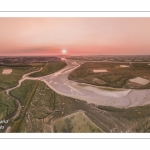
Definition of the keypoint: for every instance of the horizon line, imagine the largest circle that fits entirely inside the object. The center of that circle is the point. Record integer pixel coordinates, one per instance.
(75, 55)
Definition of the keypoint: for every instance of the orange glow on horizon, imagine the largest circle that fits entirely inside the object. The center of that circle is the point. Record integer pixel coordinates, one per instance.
(81, 36)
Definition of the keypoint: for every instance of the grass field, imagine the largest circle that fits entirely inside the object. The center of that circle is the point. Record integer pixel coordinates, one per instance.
(76, 122)
(24, 90)
(17, 123)
(116, 77)
(36, 106)
(18, 70)
(11, 80)
(41, 108)
(7, 105)
(136, 118)
(49, 68)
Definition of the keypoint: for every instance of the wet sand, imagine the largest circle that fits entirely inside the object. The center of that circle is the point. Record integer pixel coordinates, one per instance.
(124, 66)
(7, 71)
(122, 98)
(140, 80)
(100, 70)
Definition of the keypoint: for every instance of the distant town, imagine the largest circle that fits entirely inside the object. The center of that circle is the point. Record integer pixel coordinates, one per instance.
(28, 59)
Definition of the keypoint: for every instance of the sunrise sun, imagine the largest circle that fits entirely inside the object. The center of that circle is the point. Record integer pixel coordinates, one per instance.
(64, 51)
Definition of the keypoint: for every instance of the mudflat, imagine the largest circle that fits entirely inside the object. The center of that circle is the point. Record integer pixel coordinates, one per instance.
(140, 80)
(7, 71)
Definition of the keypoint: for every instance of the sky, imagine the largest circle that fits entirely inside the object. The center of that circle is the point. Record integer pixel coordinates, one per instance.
(78, 36)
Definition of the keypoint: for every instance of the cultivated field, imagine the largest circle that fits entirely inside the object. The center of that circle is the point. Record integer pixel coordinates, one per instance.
(116, 75)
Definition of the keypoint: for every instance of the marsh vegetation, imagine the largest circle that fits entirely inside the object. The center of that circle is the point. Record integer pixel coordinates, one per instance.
(116, 76)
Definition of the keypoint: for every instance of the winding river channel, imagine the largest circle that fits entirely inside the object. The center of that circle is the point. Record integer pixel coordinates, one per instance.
(58, 81)
(94, 94)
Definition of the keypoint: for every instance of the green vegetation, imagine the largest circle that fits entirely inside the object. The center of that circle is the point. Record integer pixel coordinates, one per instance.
(43, 110)
(49, 68)
(129, 113)
(77, 122)
(16, 65)
(38, 102)
(116, 77)
(44, 107)
(18, 70)
(16, 125)
(7, 105)
(135, 118)
(46, 111)
(43, 102)
(37, 64)
(11, 80)
(112, 58)
(24, 90)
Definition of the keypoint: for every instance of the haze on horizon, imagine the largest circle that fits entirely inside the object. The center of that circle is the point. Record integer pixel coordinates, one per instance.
(79, 36)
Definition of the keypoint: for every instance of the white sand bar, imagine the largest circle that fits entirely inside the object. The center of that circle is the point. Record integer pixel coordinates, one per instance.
(124, 66)
(140, 80)
(100, 70)
(7, 71)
